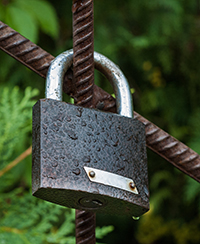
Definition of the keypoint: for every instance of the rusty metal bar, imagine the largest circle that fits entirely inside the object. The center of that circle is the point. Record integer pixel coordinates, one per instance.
(38, 60)
(83, 83)
(174, 151)
(85, 227)
(24, 51)
(83, 47)
(178, 154)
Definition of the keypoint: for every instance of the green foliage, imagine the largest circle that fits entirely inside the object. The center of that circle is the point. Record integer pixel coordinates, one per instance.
(15, 125)
(153, 228)
(192, 192)
(25, 219)
(15, 111)
(101, 232)
(29, 220)
(27, 17)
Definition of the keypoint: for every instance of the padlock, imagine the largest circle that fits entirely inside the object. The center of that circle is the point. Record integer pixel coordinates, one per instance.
(85, 158)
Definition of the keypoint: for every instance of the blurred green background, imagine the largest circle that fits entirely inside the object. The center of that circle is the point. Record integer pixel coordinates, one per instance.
(157, 45)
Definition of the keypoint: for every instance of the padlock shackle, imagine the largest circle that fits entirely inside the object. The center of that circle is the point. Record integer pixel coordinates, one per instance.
(63, 62)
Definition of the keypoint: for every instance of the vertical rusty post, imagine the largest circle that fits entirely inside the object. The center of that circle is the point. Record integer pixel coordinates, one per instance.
(83, 46)
(85, 227)
(83, 82)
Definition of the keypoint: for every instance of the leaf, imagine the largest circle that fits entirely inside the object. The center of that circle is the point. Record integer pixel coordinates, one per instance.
(101, 232)
(44, 13)
(192, 190)
(15, 123)
(22, 22)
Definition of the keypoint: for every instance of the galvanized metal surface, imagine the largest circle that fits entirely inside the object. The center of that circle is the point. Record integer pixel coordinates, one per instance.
(63, 62)
(110, 179)
(119, 83)
(24, 50)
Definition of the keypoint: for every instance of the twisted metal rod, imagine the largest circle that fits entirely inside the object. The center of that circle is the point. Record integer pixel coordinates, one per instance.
(83, 47)
(85, 227)
(83, 82)
(38, 60)
(24, 51)
(175, 152)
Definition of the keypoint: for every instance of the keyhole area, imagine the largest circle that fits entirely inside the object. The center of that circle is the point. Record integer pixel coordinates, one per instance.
(91, 203)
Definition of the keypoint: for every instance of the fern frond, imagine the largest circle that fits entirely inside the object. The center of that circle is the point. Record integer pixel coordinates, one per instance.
(15, 122)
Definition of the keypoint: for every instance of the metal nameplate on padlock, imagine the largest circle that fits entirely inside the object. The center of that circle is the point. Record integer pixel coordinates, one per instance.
(85, 158)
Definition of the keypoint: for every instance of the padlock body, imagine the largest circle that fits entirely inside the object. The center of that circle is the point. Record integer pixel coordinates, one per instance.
(66, 138)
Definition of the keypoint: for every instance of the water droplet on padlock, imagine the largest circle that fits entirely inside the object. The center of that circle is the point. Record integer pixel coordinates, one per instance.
(56, 129)
(55, 164)
(52, 176)
(83, 123)
(72, 126)
(59, 124)
(69, 156)
(72, 135)
(80, 111)
(44, 155)
(68, 119)
(76, 163)
(86, 159)
(89, 134)
(44, 126)
(90, 126)
(130, 138)
(115, 143)
(76, 171)
(146, 190)
(60, 116)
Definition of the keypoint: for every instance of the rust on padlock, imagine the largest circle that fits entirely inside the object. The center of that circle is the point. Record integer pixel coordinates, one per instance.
(132, 186)
(92, 174)
(110, 179)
